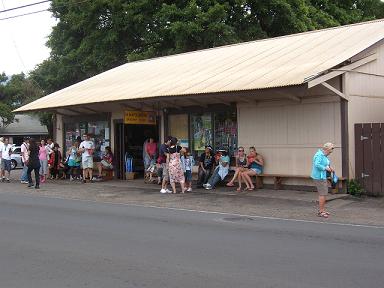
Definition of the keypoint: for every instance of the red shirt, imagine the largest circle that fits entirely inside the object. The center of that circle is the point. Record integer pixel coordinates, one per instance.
(151, 148)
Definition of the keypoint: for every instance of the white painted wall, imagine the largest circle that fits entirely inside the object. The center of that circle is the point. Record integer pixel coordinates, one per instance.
(288, 134)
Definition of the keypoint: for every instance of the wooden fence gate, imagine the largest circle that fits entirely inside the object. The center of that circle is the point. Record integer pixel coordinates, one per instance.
(369, 157)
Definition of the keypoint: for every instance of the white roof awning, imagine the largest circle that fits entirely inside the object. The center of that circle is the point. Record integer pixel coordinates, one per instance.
(276, 62)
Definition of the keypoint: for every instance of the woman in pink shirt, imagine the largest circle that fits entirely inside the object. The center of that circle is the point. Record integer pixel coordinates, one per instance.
(150, 157)
(43, 157)
(151, 148)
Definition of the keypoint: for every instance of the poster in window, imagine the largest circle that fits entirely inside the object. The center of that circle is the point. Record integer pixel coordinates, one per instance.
(202, 132)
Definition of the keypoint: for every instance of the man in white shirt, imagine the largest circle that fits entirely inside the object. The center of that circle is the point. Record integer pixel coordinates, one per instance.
(87, 148)
(50, 145)
(1, 149)
(6, 153)
(24, 158)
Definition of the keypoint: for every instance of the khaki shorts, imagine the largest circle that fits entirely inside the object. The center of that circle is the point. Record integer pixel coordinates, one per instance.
(164, 166)
(87, 163)
(322, 187)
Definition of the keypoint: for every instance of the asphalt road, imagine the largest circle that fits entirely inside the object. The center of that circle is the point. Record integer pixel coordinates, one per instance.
(47, 242)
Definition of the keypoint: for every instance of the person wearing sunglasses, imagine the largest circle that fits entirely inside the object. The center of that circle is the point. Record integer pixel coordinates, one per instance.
(320, 166)
(241, 165)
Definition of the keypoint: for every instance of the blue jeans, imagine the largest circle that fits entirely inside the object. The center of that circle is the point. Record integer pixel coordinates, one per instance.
(24, 176)
(215, 178)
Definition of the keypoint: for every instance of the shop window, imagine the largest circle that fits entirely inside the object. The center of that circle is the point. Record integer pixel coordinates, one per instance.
(178, 127)
(72, 131)
(226, 131)
(201, 131)
(99, 131)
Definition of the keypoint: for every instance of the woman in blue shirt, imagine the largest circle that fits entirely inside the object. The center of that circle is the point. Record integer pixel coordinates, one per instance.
(320, 167)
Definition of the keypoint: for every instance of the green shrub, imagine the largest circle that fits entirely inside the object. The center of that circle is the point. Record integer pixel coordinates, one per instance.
(355, 188)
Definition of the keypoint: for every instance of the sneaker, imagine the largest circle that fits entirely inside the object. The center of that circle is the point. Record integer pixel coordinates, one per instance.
(30, 185)
(189, 190)
(206, 185)
(163, 191)
(24, 182)
(8, 180)
(168, 191)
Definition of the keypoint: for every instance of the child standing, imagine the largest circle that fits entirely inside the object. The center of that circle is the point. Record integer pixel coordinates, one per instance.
(187, 163)
(54, 161)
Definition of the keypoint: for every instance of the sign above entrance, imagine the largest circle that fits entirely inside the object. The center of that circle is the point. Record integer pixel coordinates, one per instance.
(140, 117)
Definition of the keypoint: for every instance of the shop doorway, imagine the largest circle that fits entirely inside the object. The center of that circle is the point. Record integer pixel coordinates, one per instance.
(129, 142)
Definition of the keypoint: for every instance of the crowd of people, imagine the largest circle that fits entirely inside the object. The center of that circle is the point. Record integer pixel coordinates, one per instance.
(45, 160)
(174, 164)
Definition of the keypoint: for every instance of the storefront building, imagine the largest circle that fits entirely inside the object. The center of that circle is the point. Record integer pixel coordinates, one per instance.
(286, 96)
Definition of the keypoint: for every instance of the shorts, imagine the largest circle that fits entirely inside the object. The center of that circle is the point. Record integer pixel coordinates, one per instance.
(256, 170)
(322, 187)
(73, 163)
(6, 165)
(43, 167)
(164, 166)
(106, 165)
(188, 175)
(87, 163)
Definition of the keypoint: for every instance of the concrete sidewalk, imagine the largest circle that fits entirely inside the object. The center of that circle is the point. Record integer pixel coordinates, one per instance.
(300, 205)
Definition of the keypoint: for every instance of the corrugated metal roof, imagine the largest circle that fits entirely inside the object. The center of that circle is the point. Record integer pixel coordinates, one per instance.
(274, 62)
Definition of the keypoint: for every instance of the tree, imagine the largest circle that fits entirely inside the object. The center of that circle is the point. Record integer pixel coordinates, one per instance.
(94, 36)
(6, 115)
(15, 91)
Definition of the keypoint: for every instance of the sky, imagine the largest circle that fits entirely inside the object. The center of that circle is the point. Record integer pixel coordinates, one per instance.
(22, 39)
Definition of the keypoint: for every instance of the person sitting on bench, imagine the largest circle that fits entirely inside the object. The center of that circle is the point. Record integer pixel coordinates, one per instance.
(220, 171)
(106, 161)
(255, 163)
(206, 164)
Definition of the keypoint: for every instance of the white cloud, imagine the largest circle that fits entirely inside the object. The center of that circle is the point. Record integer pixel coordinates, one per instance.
(23, 39)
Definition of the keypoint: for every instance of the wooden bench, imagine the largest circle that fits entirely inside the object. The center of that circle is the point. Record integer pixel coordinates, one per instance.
(106, 174)
(278, 179)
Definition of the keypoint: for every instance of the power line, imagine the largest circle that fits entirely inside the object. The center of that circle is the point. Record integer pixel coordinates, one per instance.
(25, 14)
(39, 11)
(20, 7)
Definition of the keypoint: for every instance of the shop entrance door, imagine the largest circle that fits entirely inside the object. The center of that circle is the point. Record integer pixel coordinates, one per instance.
(135, 135)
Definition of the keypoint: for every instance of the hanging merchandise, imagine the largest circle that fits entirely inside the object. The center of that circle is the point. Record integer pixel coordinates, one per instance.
(128, 163)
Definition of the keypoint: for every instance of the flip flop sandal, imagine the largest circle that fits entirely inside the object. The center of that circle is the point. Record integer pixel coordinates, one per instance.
(230, 185)
(318, 212)
(323, 214)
